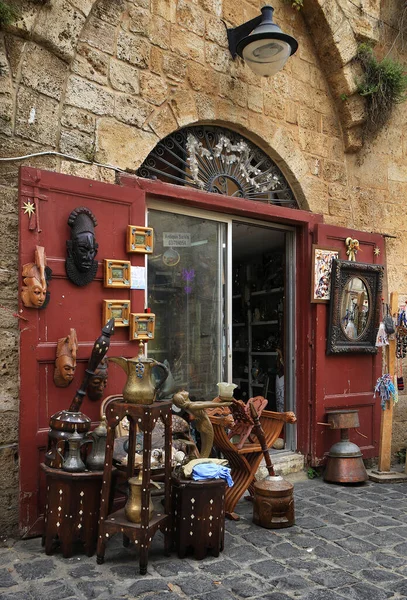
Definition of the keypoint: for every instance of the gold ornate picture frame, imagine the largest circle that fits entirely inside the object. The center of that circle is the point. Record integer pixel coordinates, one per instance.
(321, 273)
(142, 326)
(117, 273)
(140, 239)
(117, 309)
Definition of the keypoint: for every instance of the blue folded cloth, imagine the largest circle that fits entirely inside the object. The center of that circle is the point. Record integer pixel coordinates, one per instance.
(211, 471)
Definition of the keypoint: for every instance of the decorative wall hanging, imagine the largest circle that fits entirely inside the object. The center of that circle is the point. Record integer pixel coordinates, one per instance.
(65, 363)
(119, 310)
(82, 248)
(98, 381)
(140, 239)
(356, 292)
(142, 326)
(321, 272)
(117, 273)
(171, 257)
(220, 161)
(352, 248)
(34, 293)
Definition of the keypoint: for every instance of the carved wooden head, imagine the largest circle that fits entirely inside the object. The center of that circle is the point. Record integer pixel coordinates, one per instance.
(98, 381)
(35, 275)
(82, 248)
(65, 362)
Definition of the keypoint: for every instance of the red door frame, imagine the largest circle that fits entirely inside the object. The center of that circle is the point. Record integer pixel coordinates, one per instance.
(304, 224)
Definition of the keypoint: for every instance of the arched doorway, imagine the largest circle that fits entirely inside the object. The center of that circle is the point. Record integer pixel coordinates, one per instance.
(224, 285)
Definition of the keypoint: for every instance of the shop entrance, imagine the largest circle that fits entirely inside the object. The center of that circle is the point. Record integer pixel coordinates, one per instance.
(223, 293)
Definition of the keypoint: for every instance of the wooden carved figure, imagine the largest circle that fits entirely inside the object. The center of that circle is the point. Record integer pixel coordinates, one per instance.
(65, 362)
(34, 293)
(98, 381)
(82, 248)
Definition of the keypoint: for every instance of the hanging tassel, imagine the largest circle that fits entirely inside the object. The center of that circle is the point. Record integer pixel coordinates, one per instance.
(381, 338)
(385, 387)
(396, 394)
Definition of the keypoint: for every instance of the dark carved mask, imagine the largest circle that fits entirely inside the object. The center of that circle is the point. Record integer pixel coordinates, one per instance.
(82, 248)
(98, 382)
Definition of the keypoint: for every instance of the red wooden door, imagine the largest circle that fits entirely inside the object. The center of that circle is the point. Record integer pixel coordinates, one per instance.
(344, 380)
(114, 207)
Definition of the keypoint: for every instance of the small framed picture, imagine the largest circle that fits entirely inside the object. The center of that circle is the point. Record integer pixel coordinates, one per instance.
(119, 310)
(140, 239)
(117, 273)
(321, 272)
(142, 326)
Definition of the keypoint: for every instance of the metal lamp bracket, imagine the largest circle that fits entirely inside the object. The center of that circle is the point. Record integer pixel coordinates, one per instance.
(235, 34)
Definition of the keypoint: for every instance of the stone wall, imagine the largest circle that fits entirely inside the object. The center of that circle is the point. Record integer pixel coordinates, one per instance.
(104, 81)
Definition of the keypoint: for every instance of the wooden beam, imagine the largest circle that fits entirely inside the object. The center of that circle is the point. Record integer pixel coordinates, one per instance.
(386, 426)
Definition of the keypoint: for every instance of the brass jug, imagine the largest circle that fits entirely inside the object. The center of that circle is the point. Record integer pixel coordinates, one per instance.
(132, 509)
(140, 387)
(96, 457)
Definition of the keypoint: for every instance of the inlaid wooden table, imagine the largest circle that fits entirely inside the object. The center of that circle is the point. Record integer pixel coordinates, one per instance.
(71, 509)
(199, 516)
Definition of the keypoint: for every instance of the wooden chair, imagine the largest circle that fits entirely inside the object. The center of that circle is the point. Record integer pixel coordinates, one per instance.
(245, 461)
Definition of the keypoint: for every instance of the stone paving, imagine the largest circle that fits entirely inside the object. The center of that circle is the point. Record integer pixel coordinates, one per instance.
(348, 542)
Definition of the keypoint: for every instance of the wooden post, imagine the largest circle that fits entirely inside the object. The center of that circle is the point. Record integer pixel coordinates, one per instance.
(387, 414)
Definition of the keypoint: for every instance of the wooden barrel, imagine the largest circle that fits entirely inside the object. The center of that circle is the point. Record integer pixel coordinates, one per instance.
(273, 503)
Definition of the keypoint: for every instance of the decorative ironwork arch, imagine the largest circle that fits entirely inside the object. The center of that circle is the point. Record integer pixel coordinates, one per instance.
(218, 160)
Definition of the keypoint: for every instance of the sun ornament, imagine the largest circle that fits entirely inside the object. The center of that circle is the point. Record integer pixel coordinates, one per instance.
(29, 208)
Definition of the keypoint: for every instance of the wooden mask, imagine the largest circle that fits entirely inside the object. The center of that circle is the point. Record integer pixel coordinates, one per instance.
(65, 362)
(82, 248)
(34, 293)
(98, 381)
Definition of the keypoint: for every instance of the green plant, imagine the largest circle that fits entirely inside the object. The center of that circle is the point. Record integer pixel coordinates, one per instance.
(401, 456)
(8, 13)
(312, 473)
(296, 4)
(343, 97)
(384, 85)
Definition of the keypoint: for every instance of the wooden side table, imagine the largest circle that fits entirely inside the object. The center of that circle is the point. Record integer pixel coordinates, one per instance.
(199, 516)
(71, 509)
(143, 417)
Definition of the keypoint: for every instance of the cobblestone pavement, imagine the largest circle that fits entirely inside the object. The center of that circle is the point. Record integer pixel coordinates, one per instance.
(348, 542)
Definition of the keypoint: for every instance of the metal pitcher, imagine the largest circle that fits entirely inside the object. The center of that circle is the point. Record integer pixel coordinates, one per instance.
(96, 457)
(141, 385)
(72, 461)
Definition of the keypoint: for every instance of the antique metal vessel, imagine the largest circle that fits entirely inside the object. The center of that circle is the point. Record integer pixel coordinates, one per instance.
(96, 458)
(141, 385)
(132, 509)
(72, 461)
(273, 503)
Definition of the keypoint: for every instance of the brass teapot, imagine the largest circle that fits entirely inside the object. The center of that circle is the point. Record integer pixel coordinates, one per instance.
(141, 386)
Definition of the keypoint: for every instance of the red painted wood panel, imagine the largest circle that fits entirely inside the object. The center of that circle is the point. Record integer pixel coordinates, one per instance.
(70, 306)
(344, 380)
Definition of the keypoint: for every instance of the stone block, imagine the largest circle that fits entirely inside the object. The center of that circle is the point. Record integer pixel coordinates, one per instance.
(313, 143)
(255, 98)
(140, 20)
(91, 64)
(76, 118)
(166, 9)
(83, 5)
(190, 17)
(345, 81)
(9, 200)
(124, 77)
(309, 119)
(156, 60)
(100, 35)
(43, 71)
(14, 50)
(175, 67)
(90, 96)
(163, 123)
(397, 171)
(188, 45)
(334, 172)
(160, 33)
(233, 89)
(153, 88)
(133, 49)
(218, 58)
(291, 113)
(213, 7)
(231, 113)
(316, 192)
(88, 171)
(37, 117)
(286, 146)
(8, 423)
(274, 106)
(15, 146)
(215, 31)
(111, 12)
(300, 69)
(58, 27)
(132, 110)
(184, 108)
(352, 111)
(202, 79)
(6, 114)
(233, 12)
(206, 107)
(122, 145)
(77, 143)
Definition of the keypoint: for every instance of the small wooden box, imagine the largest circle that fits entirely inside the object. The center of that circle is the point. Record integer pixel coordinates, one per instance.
(199, 516)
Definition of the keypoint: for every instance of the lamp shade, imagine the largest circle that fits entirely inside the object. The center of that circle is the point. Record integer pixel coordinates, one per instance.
(266, 49)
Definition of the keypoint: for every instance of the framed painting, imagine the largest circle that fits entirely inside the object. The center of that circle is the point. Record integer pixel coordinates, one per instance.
(117, 309)
(142, 326)
(117, 273)
(321, 272)
(140, 239)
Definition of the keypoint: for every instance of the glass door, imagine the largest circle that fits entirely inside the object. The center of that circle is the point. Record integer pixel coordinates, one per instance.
(187, 290)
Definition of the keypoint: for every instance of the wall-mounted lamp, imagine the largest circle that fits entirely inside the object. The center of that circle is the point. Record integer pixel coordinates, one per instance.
(262, 44)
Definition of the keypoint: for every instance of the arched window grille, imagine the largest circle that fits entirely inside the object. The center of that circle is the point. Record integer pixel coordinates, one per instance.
(218, 160)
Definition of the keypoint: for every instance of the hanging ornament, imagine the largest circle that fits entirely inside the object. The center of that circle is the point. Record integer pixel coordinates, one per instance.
(381, 338)
(385, 387)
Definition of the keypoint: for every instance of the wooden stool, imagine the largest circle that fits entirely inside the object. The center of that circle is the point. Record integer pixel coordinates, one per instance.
(199, 516)
(71, 509)
(273, 503)
(144, 417)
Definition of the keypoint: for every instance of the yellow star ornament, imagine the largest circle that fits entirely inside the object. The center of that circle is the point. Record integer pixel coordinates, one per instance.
(29, 208)
(376, 251)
